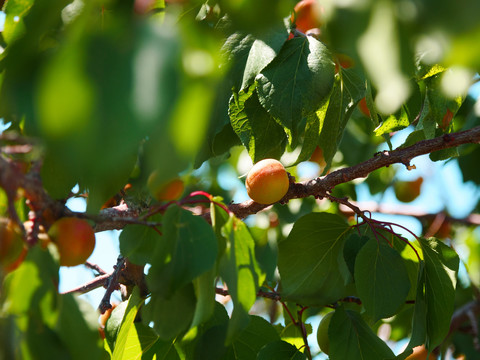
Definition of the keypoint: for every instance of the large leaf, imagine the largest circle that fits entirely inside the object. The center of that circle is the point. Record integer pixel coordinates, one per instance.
(257, 129)
(137, 242)
(280, 350)
(381, 279)
(351, 338)
(441, 267)
(240, 270)
(264, 49)
(187, 249)
(310, 259)
(249, 342)
(174, 315)
(297, 81)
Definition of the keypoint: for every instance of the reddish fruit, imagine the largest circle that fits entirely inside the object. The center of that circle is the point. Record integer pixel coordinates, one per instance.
(420, 353)
(267, 182)
(12, 246)
(308, 15)
(407, 191)
(344, 61)
(317, 157)
(362, 106)
(165, 190)
(75, 240)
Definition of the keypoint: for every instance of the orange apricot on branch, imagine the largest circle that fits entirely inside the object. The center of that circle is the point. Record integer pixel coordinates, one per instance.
(307, 15)
(165, 190)
(267, 182)
(75, 240)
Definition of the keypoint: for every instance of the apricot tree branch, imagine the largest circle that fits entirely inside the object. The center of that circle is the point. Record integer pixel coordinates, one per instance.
(319, 186)
(408, 210)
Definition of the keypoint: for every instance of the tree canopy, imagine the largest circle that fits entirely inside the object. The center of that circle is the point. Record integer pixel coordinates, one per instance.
(153, 112)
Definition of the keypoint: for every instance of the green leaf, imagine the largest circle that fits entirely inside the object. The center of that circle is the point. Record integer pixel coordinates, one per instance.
(264, 49)
(78, 320)
(236, 50)
(210, 341)
(438, 110)
(310, 259)
(419, 321)
(343, 100)
(164, 350)
(280, 350)
(313, 129)
(137, 242)
(174, 315)
(393, 123)
(114, 323)
(351, 338)
(353, 244)
(257, 129)
(258, 333)
(291, 334)
(240, 270)
(14, 26)
(134, 303)
(297, 81)
(381, 279)
(205, 292)
(187, 249)
(441, 267)
(140, 340)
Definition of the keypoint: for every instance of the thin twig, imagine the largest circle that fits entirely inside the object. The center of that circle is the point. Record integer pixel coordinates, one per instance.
(112, 285)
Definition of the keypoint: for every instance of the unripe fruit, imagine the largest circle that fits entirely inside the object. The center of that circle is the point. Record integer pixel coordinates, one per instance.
(12, 246)
(267, 182)
(165, 190)
(75, 240)
(420, 353)
(322, 333)
(407, 191)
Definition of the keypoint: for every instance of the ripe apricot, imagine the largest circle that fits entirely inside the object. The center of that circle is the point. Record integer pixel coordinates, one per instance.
(267, 182)
(307, 15)
(317, 156)
(12, 246)
(165, 190)
(420, 353)
(407, 191)
(322, 333)
(75, 240)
